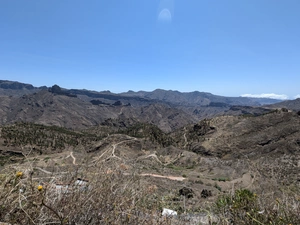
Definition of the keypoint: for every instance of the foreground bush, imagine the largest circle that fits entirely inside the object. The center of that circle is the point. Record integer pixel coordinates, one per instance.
(109, 197)
(245, 207)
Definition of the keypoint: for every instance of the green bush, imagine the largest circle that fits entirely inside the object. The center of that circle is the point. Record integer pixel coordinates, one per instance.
(245, 207)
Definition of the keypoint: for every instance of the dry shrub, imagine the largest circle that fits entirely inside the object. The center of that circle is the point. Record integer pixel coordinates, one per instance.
(112, 198)
(245, 207)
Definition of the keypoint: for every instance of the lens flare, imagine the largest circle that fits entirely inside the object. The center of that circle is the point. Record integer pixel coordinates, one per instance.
(165, 16)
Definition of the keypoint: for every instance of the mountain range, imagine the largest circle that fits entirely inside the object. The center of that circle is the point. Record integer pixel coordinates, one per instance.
(196, 143)
(169, 110)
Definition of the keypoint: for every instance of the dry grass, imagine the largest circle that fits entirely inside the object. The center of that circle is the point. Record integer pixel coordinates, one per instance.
(108, 198)
(112, 196)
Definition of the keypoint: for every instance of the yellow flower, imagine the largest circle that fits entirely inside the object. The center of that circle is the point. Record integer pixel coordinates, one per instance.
(19, 174)
(40, 187)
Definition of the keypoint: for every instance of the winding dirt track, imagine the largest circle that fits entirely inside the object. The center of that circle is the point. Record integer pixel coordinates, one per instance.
(143, 174)
(185, 140)
(161, 176)
(74, 159)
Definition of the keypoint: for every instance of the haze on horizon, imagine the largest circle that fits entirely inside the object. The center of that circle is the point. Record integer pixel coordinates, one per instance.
(229, 48)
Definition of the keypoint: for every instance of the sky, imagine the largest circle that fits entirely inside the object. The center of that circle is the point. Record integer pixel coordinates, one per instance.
(229, 48)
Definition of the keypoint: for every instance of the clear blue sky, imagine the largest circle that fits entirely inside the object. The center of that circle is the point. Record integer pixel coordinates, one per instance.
(226, 47)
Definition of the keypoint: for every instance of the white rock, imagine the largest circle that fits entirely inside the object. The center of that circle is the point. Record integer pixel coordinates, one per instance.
(169, 212)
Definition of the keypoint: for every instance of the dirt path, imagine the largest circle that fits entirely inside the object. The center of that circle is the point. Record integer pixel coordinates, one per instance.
(153, 155)
(121, 111)
(45, 171)
(161, 176)
(113, 152)
(74, 159)
(112, 148)
(185, 139)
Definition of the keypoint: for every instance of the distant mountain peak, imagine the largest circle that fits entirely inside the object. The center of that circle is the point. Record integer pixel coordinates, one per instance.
(5, 84)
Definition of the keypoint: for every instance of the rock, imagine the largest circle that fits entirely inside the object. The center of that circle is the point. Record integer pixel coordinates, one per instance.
(168, 212)
(206, 193)
(199, 149)
(117, 103)
(187, 192)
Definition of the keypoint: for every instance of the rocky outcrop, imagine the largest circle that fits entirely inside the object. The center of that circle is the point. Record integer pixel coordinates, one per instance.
(187, 192)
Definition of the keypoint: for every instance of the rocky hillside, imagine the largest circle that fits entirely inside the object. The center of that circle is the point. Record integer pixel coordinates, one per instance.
(227, 137)
(14, 88)
(48, 108)
(197, 98)
(53, 136)
(275, 133)
(78, 109)
(207, 159)
(289, 104)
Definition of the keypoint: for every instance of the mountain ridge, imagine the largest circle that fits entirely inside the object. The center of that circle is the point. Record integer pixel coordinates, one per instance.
(200, 98)
(213, 148)
(73, 108)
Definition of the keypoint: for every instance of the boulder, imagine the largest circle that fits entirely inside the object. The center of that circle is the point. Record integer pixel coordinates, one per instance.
(187, 192)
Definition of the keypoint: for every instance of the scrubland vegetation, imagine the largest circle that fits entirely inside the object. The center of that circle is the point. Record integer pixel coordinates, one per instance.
(111, 197)
(249, 168)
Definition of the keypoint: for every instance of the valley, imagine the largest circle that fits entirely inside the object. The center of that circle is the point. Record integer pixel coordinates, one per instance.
(145, 152)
